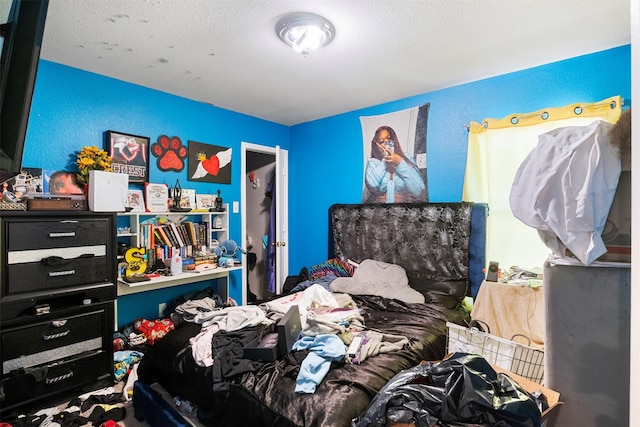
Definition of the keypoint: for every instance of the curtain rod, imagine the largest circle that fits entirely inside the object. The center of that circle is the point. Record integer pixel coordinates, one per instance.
(544, 115)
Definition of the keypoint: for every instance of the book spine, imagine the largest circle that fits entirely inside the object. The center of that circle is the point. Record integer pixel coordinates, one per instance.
(165, 237)
(183, 234)
(192, 233)
(176, 233)
(174, 240)
(151, 243)
(158, 240)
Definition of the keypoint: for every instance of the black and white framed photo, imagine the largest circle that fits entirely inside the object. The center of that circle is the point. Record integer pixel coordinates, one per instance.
(129, 154)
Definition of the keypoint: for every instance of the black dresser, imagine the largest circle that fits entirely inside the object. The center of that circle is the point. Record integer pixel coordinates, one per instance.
(57, 293)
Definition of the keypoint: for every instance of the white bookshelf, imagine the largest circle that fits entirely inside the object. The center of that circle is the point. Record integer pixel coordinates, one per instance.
(218, 221)
(133, 236)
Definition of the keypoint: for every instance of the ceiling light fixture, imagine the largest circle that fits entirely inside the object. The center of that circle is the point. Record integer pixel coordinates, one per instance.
(305, 32)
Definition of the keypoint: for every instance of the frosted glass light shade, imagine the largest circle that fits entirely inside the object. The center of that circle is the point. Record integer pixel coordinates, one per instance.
(305, 32)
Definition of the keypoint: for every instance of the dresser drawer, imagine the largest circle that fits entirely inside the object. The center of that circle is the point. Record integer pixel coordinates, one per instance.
(53, 379)
(36, 276)
(45, 341)
(24, 235)
(57, 291)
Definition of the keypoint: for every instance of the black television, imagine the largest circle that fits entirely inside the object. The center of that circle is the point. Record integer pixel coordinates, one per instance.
(21, 38)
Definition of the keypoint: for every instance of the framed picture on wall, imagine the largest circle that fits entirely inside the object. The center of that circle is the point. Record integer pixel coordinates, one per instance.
(209, 163)
(135, 201)
(129, 154)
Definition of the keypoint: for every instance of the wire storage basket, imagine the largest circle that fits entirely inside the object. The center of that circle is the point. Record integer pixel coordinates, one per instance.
(523, 360)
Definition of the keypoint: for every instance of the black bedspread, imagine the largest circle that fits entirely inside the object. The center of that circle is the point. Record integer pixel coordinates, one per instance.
(170, 362)
(430, 241)
(347, 389)
(264, 394)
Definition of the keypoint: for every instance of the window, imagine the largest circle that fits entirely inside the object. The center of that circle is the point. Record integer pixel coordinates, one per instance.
(496, 149)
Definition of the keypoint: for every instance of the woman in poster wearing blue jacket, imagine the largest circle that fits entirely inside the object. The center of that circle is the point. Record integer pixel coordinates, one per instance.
(391, 176)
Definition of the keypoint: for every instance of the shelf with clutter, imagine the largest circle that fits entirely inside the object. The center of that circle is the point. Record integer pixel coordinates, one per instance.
(144, 228)
(158, 281)
(195, 242)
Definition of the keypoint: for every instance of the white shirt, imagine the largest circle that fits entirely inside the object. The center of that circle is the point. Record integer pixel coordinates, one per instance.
(565, 188)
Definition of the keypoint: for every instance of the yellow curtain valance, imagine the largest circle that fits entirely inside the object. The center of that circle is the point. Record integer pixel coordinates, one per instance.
(607, 110)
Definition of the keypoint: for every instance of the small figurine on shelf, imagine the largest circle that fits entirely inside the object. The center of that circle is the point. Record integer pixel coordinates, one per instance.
(135, 260)
(176, 199)
(217, 204)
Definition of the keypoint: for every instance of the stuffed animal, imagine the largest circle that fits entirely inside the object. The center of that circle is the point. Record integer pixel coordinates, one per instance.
(227, 251)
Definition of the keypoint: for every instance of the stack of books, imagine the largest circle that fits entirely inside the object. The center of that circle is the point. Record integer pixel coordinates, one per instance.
(189, 238)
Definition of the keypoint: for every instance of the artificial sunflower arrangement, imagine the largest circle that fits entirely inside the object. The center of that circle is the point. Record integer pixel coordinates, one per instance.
(92, 158)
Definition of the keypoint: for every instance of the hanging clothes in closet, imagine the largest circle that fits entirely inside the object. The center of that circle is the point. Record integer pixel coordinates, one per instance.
(270, 192)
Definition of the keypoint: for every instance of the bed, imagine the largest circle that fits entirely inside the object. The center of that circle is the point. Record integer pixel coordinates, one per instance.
(440, 248)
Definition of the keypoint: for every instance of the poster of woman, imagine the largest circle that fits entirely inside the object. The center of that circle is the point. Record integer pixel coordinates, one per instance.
(395, 159)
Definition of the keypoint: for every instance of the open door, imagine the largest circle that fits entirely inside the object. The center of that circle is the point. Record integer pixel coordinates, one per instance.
(282, 219)
(264, 195)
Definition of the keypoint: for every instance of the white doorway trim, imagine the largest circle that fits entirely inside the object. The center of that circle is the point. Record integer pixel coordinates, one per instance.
(281, 157)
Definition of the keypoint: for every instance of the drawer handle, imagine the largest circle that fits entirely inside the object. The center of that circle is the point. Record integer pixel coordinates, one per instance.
(62, 273)
(58, 260)
(58, 378)
(56, 335)
(61, 234)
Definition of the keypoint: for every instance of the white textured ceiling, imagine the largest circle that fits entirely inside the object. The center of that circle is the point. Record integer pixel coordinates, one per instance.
(226, 52)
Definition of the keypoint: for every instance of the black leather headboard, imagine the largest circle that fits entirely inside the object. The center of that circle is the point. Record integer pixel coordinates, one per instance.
(431, 241)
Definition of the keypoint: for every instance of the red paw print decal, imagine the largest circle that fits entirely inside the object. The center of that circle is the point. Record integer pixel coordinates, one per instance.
(170, 153)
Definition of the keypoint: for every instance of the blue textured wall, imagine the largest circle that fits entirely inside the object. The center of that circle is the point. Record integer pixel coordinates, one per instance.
(72, 108)
(326, 155)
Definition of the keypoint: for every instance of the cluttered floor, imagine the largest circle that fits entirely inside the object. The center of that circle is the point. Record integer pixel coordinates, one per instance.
(105, 407)
(110, 406)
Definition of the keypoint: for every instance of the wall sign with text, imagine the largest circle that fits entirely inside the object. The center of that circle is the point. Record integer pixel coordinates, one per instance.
(129, 154)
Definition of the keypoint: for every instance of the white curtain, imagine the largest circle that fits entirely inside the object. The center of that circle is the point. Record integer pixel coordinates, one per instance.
(496, 149)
